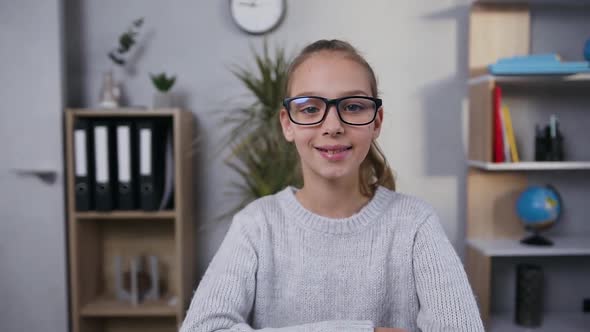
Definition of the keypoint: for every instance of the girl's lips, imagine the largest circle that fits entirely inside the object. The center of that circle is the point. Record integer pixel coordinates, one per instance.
(334, 153)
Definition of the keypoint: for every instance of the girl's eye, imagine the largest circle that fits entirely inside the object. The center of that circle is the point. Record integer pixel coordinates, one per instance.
(353, 108)
(309, 110)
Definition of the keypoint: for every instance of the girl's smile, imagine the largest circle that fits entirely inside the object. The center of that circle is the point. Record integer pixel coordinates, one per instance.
(334, 152)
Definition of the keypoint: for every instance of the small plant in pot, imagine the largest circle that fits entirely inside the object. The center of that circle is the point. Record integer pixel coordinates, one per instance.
(163, 84)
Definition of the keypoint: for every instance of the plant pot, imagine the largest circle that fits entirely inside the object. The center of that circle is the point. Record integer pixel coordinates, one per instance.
(163, 100)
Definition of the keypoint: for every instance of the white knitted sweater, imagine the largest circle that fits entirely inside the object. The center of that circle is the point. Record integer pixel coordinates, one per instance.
(283, 268)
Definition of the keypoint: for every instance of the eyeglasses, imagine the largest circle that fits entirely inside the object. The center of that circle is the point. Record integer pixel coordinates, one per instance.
(352, 110)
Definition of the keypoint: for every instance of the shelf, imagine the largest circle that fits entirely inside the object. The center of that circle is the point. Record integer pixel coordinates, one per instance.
(564, 3)
(533, 79)
(562, 322)
(531, 165)
(155, 215)
(563, 246)
(125, 112)
(110, 307)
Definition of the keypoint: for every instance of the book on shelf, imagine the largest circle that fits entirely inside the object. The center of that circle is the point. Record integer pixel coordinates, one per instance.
(504, 141)
(514, 157)
(498, 147)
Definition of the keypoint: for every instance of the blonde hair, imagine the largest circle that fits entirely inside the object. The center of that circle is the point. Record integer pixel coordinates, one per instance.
(374, 170)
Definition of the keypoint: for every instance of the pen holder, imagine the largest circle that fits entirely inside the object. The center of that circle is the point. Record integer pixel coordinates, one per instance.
(547, 147)
(556, 151)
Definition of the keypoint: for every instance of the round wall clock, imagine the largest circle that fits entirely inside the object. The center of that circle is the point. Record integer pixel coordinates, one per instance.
(257, 16)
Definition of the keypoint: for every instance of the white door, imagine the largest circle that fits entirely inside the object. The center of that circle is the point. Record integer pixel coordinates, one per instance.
(32, 228)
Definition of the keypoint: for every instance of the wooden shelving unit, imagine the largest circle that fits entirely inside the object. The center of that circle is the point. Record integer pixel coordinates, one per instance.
(108, 307)
(562, 322)
(503, 29)
(126, 215)
(508, 247)
(531, 165)
(95, 238)
(582, 78)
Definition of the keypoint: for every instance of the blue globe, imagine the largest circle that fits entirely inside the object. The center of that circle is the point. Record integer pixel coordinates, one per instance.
(539, 208)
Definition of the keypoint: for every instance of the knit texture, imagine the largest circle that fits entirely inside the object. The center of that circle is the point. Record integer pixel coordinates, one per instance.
(283, 268)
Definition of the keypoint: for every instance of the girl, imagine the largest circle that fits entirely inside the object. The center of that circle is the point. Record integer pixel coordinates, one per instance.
(345, 252)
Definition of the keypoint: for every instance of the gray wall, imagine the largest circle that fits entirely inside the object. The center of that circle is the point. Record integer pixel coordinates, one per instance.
(33, 289)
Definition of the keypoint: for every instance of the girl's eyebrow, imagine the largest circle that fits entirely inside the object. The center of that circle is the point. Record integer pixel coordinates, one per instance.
(343, 94)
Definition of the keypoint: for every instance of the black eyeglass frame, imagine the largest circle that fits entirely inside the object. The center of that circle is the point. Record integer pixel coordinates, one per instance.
(336, 102)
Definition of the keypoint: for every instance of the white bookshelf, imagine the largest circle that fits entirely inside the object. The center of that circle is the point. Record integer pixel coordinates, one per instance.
(582, 78)
(537, 2)
(552, 322)
(562, 246)
(532, 165)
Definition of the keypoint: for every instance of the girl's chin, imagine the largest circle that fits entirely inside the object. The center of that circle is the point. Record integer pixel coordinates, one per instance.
(336, 174)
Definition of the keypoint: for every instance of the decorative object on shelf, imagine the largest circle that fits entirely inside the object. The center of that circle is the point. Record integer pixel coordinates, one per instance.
(539, 208)
(136, 285)
(163, 84)
(587, 50)
(153, 293)
(549, 142)
(110, 94)
(257, 16)
(529, 295)
(265, 161)
(126, 42)
(537, 64)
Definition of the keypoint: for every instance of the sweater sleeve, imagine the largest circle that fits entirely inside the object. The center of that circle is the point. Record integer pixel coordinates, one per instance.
(224, 298)
(446, 300)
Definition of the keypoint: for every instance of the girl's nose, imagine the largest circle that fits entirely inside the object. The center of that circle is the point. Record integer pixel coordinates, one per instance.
(332, 124)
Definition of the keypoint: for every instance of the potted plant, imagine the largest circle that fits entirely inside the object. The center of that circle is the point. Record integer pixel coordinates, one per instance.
(110, 95)
(163, 84)
(264, 160)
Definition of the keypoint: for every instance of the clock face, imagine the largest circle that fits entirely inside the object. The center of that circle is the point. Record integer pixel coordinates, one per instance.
(257, 16)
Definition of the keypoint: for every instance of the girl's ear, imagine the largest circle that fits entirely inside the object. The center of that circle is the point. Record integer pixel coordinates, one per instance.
(378, 122)
(286, 125)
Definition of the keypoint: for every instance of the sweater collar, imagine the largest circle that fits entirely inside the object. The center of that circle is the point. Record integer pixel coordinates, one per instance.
(307, 219)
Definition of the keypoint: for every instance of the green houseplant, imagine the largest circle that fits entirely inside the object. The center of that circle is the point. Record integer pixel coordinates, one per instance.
(163, 84)
(260, 155)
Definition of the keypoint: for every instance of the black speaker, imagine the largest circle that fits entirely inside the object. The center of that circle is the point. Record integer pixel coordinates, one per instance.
(529, 295)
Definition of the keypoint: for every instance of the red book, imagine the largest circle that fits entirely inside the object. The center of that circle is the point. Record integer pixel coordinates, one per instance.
(498, 136)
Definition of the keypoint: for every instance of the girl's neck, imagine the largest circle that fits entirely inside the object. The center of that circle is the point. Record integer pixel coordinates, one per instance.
(332, 199)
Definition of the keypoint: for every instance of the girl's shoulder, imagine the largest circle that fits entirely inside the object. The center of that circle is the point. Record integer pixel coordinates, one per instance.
(407, 206)
(258, 210)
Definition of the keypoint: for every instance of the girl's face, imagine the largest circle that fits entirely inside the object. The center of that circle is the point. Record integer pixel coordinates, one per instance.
(331, 149)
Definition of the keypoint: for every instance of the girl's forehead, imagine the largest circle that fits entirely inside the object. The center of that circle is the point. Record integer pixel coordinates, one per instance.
(329, 74)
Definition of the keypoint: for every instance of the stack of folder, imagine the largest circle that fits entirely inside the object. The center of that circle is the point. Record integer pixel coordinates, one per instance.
(123, 164)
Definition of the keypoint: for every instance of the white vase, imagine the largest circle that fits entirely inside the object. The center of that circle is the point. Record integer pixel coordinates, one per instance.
(110, 92)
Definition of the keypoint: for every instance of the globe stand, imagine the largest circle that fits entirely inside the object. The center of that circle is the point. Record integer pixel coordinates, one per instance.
(536, 240)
